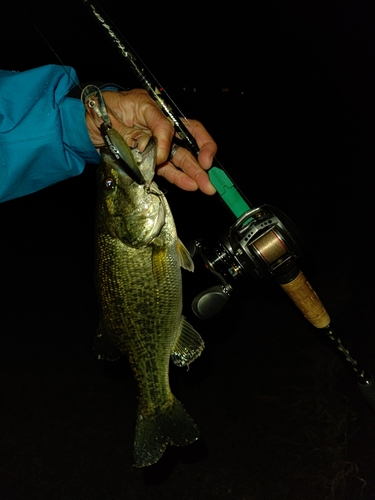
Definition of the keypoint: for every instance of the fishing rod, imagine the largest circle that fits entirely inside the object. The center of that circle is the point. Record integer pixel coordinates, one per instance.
(225, 186)
(262, 242)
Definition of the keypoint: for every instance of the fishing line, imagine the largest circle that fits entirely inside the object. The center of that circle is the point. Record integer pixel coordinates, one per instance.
(35, 26)
(92, 99)
(49, 45)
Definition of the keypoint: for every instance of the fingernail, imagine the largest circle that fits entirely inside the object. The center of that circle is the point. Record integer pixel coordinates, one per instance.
(211, 189)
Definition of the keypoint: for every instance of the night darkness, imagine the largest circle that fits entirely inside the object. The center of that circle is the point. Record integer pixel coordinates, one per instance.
(287, 91)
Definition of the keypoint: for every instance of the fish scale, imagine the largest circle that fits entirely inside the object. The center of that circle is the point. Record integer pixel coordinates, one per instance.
(139, 287)
(132, 327)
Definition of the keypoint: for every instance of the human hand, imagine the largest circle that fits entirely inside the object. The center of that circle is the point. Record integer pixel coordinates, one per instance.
(136, 117)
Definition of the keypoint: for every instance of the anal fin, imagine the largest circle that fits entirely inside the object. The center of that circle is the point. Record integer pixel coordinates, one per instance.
(189, 345)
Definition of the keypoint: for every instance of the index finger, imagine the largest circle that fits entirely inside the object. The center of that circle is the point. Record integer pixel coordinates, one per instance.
(162, 129)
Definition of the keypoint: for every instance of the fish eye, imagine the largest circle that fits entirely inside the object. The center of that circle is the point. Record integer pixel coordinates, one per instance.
(109, 184)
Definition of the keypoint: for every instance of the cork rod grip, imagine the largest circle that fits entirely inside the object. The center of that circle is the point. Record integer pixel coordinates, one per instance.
(307, 301)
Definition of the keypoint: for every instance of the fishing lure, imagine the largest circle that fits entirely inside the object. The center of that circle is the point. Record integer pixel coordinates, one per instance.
(93, 101)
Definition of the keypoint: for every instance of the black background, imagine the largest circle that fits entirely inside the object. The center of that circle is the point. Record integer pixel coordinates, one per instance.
(286, 89)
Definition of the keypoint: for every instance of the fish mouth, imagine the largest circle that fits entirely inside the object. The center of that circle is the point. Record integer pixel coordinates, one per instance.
(146, 160)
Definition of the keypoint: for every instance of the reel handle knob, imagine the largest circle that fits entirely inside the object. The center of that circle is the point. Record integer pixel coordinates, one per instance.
(210, 301)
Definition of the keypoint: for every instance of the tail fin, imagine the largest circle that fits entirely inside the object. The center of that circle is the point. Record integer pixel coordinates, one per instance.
(152, 435)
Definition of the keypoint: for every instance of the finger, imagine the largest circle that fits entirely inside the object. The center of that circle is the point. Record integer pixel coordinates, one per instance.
(161, 129)
(177, 177)
(183, 181)
(185, 161)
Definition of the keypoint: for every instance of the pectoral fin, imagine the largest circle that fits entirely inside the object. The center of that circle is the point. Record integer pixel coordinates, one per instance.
(184, 257)
(188, 346)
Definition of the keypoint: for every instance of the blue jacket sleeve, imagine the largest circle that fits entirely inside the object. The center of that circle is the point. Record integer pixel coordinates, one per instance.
(43, 133)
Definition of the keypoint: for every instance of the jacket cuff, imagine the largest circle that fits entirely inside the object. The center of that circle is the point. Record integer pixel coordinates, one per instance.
(77, 142)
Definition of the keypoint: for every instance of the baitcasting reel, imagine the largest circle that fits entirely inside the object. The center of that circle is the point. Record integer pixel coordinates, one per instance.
(263, 242)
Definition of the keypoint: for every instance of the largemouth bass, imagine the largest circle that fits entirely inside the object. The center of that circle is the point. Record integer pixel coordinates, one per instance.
(138, 279)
